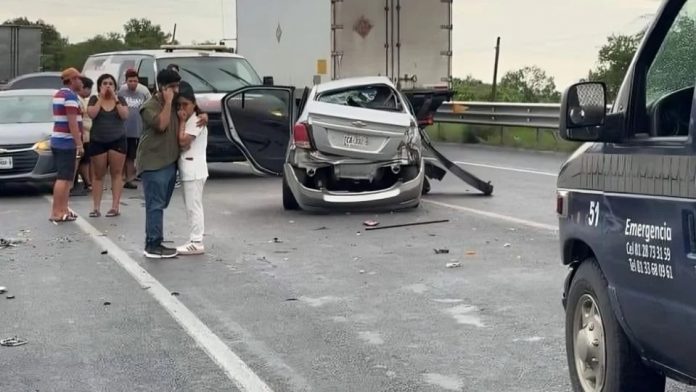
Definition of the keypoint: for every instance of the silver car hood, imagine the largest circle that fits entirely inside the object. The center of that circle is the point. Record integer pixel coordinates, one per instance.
(25, 133)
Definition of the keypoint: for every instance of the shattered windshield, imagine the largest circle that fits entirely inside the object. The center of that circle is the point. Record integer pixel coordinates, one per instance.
(379, 97)
(214, 74)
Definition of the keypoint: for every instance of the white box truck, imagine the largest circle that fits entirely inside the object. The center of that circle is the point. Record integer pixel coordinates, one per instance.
(304, 42)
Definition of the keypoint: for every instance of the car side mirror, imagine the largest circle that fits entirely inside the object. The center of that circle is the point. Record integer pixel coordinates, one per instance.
(583, 112)
(268, 81)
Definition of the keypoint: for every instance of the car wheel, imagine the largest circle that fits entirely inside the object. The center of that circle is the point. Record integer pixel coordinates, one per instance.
(289, 201)
(426, 186)
(600, 357)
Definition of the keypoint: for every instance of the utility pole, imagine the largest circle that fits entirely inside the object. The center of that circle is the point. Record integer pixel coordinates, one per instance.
(495, 69)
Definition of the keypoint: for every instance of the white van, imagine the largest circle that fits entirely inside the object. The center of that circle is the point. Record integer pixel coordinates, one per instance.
(212, 70)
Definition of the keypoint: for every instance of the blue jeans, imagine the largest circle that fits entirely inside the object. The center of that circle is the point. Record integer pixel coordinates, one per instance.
(158, 186)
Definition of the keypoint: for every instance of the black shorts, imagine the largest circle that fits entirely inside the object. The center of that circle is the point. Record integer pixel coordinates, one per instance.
(65, 161)
(132, 147)
(85, 157)
(98, 148)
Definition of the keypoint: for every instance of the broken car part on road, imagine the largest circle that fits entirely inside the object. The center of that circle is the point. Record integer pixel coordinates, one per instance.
(13, 342)
(408, 224)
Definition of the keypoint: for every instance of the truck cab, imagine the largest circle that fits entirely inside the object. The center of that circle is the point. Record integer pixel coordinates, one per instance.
(626, 203)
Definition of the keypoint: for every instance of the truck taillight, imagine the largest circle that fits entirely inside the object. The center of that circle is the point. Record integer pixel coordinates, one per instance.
(300, 136)
(562, 203)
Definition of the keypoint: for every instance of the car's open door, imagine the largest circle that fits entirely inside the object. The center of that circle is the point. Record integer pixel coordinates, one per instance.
(259, 120)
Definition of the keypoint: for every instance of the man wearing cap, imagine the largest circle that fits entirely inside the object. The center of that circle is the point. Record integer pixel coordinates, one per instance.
(66, 142)
(156, 160)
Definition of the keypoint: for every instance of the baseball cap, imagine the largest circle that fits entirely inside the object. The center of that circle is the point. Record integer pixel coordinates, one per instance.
(70, 73)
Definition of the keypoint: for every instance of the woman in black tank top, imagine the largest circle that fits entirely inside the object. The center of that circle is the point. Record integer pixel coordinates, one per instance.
(107, 142)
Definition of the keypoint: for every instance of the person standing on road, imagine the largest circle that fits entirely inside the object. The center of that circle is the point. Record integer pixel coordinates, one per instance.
(66, 142)
(193, 168)
(83, 167)
(107, 142)
(135, 94)
(155, 162)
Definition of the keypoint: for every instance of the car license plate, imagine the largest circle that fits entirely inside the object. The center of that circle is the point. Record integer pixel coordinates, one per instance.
(6, 163)
(355, 141)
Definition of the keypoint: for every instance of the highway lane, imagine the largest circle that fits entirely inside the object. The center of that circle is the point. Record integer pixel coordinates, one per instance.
(307, 301)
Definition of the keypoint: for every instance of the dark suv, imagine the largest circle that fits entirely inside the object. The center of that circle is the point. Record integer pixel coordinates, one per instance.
(627, 217)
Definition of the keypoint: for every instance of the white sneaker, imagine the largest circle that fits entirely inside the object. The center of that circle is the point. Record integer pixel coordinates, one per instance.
(192, 248)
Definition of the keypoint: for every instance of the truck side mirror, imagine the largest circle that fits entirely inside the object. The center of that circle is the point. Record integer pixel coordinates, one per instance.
(268, 81)
(583, 112)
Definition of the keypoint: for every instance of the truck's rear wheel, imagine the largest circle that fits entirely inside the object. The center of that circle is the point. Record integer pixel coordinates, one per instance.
(600, 357)
(289, 201)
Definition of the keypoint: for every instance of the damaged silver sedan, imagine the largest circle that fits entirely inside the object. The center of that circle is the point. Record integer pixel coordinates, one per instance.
(354, 143)
(351, 143)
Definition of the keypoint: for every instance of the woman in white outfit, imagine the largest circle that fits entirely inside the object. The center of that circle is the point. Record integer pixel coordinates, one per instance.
(193, 167)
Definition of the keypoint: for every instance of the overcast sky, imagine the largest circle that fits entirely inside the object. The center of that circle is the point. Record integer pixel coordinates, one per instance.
(561, 36)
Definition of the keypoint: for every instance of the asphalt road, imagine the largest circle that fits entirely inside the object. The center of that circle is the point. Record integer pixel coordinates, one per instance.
(293, 301)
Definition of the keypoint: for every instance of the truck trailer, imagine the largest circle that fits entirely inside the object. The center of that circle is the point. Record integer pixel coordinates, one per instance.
(305, 42)
(22, 44)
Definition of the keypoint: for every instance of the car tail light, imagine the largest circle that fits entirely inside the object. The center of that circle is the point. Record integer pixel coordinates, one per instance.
(562, 203)
(427, 121)
(300, 136)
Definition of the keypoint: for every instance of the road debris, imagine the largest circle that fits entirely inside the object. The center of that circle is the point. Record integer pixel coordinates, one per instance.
(442, 251)
(11, 242)
(371, 223)
(408, 224)
(13, 342)
(453, 265)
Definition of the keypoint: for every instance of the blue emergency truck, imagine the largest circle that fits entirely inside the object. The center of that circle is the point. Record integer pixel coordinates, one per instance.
(626, 203)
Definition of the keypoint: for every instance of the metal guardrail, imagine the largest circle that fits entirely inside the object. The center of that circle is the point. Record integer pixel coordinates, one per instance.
(532, 115)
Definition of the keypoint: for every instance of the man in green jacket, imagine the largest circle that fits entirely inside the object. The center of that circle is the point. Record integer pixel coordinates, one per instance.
(158, 153)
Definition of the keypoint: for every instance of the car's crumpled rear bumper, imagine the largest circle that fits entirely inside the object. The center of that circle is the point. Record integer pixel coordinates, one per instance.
(400, 195)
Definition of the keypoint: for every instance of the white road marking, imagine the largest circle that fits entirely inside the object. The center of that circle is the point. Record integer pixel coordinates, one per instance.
(513, 169)
(494, 215)
(508, 168)
(237, 371)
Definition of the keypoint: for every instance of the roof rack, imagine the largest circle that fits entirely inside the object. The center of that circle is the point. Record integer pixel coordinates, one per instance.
(216, 48)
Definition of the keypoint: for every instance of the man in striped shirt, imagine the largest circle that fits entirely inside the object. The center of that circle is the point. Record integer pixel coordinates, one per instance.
(66, 142)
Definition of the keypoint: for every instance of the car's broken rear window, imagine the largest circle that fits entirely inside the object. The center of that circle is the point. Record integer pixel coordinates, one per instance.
(378, 97)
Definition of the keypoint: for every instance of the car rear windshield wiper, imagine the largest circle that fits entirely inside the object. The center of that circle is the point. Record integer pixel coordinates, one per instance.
(234, 75)
(202, 79)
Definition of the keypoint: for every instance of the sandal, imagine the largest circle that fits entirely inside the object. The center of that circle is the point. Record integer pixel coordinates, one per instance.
(112, 213)
(64, 218)
(95, 214)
